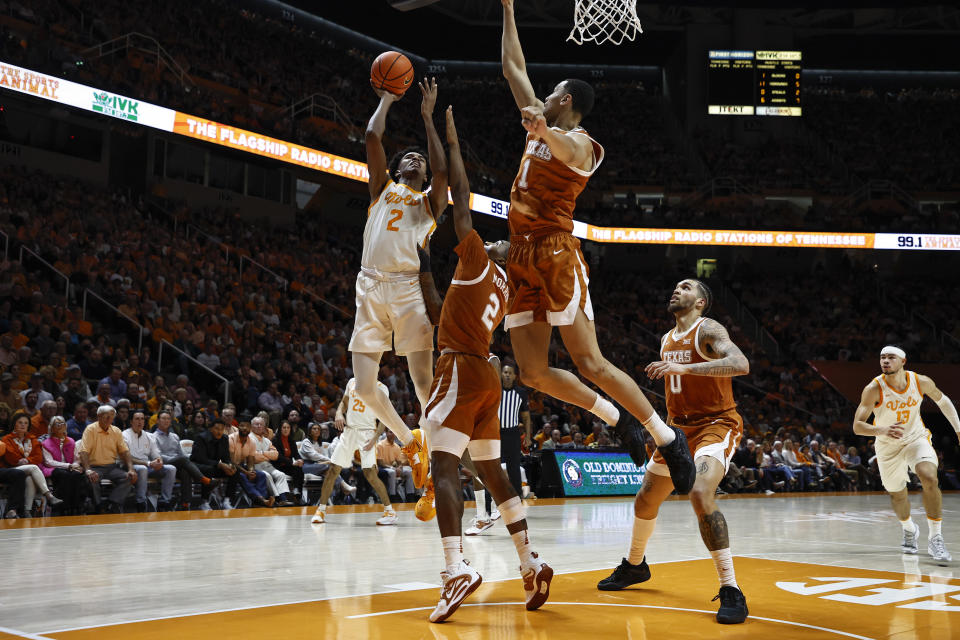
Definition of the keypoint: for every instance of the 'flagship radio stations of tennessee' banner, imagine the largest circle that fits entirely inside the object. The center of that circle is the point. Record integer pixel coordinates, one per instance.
(136, 111)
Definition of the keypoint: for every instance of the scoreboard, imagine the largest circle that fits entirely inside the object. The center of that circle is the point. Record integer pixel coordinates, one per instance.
(747, 83)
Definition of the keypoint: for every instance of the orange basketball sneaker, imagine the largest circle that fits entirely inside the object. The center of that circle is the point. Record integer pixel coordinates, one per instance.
(426, 505)
(419, 458)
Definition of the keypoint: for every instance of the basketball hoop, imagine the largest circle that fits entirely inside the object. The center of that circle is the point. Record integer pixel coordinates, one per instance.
(604, 21)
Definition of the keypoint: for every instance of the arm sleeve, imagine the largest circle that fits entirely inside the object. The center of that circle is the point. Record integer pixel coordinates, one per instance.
(949, 412)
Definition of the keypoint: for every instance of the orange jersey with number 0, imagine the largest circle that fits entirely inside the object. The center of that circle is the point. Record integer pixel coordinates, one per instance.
(545, 191)
(476, 301)
(691, 395)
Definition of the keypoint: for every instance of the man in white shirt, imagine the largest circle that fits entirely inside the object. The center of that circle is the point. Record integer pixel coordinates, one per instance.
(148, 462)
(277, 482)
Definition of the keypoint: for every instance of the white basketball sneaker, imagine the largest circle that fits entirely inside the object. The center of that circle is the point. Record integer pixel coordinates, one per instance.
(495, 514)
(909, 544)
(319, 517)
(389, 518)
(458, 583)
(477, 527)
(536, 583)
(937, 550)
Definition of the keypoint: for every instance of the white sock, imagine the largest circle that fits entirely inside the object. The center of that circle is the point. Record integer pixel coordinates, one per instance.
(605, 410)
(322, 508)
(388, 507)
(934, 528)
(481, 497)
(723, 561)
(642, 530)
(522, 543)
(908, 526)
(452, 551)
(658, 429)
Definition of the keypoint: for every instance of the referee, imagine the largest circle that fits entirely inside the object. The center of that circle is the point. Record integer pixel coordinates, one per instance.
(514, 416)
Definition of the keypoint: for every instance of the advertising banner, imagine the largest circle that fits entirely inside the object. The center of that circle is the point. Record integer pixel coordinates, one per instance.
(598, 473)
(136, 111)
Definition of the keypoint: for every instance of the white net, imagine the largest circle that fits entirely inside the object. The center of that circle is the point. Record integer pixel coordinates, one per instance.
(602, 21)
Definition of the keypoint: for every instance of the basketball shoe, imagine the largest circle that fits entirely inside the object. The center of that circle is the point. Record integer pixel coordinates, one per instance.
(427, 505)
(536, 583)
(389, 517)
(938, 550)
(909, 544)
(733, 606)
(628, 430)
(477, 527)
(319, 517)
(419, 458)
(679, 461)
(458, 583)
(625, 575)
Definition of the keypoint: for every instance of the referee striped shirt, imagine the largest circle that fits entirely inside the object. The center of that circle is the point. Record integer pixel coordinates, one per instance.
(512, 402)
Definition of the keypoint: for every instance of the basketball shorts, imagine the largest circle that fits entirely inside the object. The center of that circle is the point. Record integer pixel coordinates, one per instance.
(390, 308)
(352, 440)
(716, 436)
(463, 405)
(548, 280)
(895, 462)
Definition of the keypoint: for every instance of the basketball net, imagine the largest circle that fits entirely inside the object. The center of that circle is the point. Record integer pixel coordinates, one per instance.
(604, 21)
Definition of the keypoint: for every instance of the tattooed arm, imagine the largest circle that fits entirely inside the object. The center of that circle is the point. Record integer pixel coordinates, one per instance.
(715, 342)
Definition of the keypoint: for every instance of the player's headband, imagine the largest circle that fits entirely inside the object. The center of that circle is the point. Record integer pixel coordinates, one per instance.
(894, 351)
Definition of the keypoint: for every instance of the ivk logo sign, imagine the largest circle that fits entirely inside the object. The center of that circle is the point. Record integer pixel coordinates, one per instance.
(116, 106)
(832, 588)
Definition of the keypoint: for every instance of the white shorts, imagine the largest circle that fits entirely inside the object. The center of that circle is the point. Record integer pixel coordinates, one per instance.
(894, 462)
(456, 442)
(351, 440)
(390, 309)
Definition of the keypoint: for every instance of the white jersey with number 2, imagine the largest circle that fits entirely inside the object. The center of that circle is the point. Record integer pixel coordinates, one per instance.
(358, 416)
(397, 222)
(899, 405)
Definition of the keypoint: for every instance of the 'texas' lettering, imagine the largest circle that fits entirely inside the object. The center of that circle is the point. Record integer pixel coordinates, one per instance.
(680, 357)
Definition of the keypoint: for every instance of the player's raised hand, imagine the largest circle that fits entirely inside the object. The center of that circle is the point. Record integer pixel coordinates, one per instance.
(428, 89)
(894, 431)
(385, 95)
(656, 370)
(533, 121)
(452, 138)
(507, 4)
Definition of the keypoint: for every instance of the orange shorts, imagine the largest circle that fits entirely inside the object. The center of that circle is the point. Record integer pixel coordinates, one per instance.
(716, 436)
(465, 397)
(548, 280)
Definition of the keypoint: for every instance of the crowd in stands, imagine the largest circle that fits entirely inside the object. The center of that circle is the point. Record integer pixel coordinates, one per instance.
(283, 351)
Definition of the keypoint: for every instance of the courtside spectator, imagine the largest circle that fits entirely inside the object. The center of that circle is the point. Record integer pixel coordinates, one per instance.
(265, 454)
(392, 460)
(24, 452)
(171, 452)
(147, 462)
(243, 451)
(60, 464)
(288, 458)
(211, 453)
(103, 445)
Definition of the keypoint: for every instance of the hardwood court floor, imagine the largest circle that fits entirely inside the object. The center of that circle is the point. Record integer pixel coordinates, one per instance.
(816, 566)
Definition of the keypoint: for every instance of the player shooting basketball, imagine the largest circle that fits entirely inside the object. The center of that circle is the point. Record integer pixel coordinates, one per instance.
(547, 272)
(391, 312)
(464, 400)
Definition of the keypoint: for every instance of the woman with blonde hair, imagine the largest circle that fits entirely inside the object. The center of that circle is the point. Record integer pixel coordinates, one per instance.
(62, 465)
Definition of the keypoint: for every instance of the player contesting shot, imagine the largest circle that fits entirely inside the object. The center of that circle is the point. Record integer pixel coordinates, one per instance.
(464, 399)
(548, 275)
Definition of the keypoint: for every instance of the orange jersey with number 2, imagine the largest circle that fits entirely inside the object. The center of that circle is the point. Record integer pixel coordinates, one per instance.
(545, 191)
(476, 301)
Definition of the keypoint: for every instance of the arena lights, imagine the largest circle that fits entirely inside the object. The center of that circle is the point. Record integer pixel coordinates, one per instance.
(113, 105)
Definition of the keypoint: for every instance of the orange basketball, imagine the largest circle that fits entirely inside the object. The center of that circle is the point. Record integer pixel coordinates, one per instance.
(392, 71)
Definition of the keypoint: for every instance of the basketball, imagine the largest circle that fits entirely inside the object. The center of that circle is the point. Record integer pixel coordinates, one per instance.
(392, 72)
